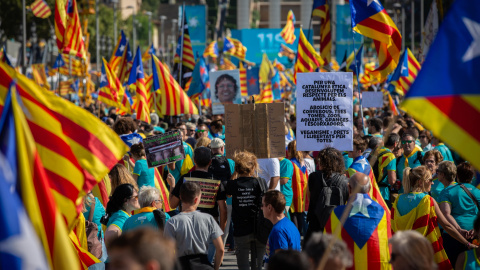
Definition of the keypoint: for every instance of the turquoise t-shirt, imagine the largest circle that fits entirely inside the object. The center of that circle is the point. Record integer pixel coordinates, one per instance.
(178, 165)
(446, 153)
(463, 209)
(98, 213)
(146, 176)
(384, 186)
(472, 262)
(232, 170)
(413, 162)
(118, 219)
(437, 188)
(286, 171)
(144, 217)
(346, 160)
(407, 202)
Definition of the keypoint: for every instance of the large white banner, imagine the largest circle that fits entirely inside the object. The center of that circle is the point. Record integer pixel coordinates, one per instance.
(324, 111)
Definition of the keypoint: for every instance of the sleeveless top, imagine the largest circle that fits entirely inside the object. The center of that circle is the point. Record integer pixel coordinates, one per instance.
(471, 260)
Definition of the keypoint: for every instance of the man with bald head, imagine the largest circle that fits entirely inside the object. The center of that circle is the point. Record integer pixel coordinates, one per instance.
(366, 229)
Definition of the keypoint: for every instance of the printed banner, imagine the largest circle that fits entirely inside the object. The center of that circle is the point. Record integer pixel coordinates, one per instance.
(324, 111)
(164, 148)
(209, 189)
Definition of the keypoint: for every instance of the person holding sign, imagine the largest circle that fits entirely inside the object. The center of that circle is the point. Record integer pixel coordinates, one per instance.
(143, 175)
(213, 199)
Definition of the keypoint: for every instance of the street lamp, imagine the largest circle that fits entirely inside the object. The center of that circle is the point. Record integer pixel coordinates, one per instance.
(114, 19)
(134, 30)
(162, 41)
(149, 14)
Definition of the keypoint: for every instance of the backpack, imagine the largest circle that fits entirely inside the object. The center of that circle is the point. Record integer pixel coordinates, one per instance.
(262, 225)
(329, 197)
(220, 168)
(375, 165)
(91, 229)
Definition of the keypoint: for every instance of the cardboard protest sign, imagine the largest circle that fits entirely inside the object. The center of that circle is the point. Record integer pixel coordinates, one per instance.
(257, 128)
(324, 111)
(209, 188)
(164, 148)
(372, 99)
(225, 86)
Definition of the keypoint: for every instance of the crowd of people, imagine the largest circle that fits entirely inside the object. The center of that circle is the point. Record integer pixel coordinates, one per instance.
(401, 198)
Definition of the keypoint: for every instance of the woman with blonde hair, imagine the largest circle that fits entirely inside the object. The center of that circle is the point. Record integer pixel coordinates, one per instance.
(411, 250)
(120, 175)
(202, 142)
(416, 210)
(246, 191)
(431, 159)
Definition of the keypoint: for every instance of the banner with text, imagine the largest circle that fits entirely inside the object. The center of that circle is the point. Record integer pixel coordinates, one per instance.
(324, 111)
(164, 148)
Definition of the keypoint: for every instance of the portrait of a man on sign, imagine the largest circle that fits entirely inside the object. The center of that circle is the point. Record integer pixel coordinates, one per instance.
(226, 89)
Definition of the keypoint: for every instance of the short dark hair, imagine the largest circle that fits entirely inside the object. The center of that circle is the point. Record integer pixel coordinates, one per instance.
(359, 143)
(146, 244)
(225, 77)
(374, 142)
(124, 125)
(331, 161)
(202, 156)
(465, 172)
(189, 191)
(137, 149)
(288, 259)
(376, 123)
(276, 199)
(217, 124)
(392, 139)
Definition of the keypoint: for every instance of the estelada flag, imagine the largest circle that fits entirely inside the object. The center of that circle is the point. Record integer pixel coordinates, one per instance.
(423, 219)
(40, 9)
(366, 232)
(370, 19)
(299, 188)
(446, 93)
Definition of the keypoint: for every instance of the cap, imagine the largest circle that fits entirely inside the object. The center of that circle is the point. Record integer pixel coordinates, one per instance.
(217, 143)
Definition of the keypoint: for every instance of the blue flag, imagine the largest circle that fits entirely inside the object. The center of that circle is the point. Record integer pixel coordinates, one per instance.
(59, 62)
(358, 61)
(199, 78)
(75, 85)
(400, 71)
(253, 85)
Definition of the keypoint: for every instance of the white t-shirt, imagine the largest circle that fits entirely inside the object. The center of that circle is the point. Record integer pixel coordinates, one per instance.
(268, 168)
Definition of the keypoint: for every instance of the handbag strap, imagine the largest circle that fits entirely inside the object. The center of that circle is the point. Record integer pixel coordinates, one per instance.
(470, 195)
(92, 210)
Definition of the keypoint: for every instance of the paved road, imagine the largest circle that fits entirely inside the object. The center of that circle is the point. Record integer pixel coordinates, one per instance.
(229, 261)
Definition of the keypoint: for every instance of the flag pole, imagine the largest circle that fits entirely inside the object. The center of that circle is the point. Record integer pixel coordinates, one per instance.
(180, 80)
(358, 83)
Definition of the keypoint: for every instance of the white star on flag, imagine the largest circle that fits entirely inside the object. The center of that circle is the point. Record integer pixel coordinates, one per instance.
(371, 1)
(403, 68)
(122, 47)
(103, 78)
(363, 162)
(360, 205)
(474, 48)
(138, 69)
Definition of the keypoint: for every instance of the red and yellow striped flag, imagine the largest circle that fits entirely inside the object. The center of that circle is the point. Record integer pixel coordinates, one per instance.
(186, 54)
(40, 76)
(402, 85)
(325, 35)
(137, 82)
(108, 92)
(78, 236)
(226, 64)
(76, 148)
(119, 52)
(423, 219)
(35, 187)
(102, 190)
(237, 49)
(266, 95)
(366, 236)
(288, 32)
(299, 188)
(308, 59)
(40, 9)
(68, 28)
(77, 66)
(164, 193)
(65, 87)
(173, 99)
(243, 79)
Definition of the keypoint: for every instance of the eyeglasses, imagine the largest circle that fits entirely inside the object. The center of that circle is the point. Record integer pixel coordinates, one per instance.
(393, 256)
(404, 142)
(201, 130)
(158, 201)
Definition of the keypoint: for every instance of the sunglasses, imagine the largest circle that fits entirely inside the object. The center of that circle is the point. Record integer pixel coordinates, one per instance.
(405, 142)
(201, 130)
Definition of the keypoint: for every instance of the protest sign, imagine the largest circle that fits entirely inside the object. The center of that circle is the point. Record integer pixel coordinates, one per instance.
(209, 188)
(164, 148)
(257, 128)
(225, 87)
(372, 99)
(324, 111)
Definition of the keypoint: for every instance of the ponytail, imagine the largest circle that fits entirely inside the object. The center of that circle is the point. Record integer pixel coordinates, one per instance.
(414, 179)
